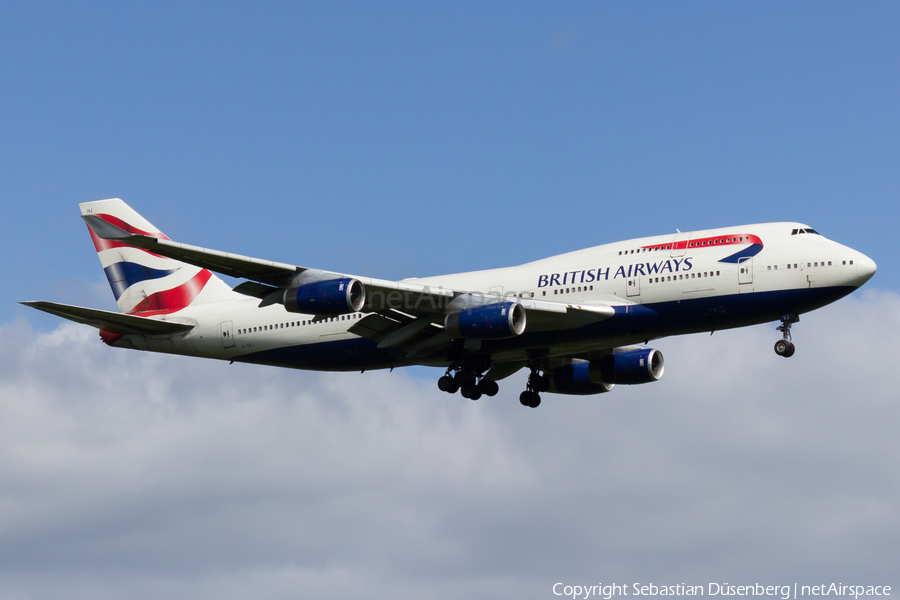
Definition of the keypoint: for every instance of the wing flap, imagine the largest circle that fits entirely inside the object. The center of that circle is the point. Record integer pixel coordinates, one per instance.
(374, 327)
(110, 321)
(551, 316)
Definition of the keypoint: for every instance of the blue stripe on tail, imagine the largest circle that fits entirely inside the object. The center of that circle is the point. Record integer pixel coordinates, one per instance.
(123, 275)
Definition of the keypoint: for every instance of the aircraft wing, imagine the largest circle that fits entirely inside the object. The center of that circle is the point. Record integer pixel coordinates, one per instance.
(110, 321)
(271, 275)
(408, 311)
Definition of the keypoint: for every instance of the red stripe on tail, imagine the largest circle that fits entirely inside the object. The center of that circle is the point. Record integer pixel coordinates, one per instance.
(169, 301)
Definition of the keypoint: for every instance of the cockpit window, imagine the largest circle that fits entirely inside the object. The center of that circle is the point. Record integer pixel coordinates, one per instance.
(799, 231)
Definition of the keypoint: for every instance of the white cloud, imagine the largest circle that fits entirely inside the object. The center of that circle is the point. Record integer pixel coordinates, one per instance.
(126, 474)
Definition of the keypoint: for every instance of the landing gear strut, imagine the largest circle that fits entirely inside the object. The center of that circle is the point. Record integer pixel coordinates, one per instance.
(537, 383)
(468, 381)
(785, 347)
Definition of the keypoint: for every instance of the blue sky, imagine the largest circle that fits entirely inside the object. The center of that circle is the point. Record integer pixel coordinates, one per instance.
(423, 138)
(412, 139)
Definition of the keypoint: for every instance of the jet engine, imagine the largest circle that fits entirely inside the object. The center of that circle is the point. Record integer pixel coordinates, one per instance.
(491, 321)
(331, 297)
(575, 380)
(629, 367)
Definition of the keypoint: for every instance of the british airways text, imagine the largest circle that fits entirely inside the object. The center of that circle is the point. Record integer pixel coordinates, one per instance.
(674, 265)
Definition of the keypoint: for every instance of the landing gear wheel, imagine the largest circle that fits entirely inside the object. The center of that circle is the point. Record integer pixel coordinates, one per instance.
(446, 384)
(784, 347)
(464, 379)
(538, 382)
(470, 391)
(530, 399)
(488, 387)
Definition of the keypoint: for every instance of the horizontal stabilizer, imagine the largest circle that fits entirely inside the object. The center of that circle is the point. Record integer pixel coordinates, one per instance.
(110, 321)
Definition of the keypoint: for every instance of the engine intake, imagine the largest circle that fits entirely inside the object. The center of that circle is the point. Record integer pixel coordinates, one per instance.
(488, 322)
(332, 297)
(628, 368)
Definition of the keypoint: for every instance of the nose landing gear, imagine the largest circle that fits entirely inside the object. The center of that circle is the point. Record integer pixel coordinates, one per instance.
(785, 347)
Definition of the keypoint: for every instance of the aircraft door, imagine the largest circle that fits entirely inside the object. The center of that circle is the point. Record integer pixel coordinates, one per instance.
(633, 286)
(226, 333)
(680, 244)
(745, 270)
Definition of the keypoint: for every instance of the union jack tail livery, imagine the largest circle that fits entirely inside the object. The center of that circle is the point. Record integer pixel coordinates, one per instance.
(144, 283)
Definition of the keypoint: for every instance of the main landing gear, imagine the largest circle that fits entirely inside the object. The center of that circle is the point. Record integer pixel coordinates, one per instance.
(537, 383)
(785, 347)
(469, 381)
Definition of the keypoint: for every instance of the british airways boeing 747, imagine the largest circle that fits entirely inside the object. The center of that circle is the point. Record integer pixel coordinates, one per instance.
(574, 320)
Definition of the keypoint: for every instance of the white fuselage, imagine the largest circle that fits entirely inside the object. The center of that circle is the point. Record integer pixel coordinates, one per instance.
(668, 284)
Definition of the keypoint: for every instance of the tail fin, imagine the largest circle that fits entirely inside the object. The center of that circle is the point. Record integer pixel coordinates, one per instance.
(144, 283)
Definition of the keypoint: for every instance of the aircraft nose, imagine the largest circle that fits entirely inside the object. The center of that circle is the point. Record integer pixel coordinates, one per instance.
(865, 268)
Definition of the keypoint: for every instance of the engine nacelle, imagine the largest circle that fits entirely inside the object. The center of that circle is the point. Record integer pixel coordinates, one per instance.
(332, 297)
(575, 380)
(628, 368)
(488, 322)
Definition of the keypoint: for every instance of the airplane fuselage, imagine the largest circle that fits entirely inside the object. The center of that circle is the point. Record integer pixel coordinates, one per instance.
(658, 286)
